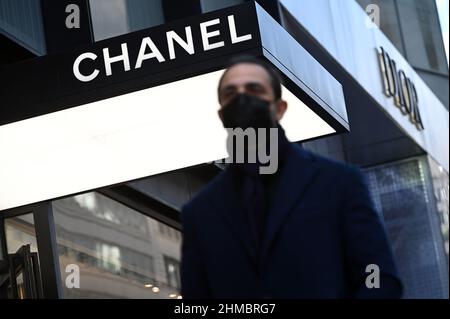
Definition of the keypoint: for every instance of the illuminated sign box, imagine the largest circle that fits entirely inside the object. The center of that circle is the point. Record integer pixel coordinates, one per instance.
(145, 103)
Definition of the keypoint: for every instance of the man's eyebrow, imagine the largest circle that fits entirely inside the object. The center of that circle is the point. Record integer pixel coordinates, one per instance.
(233, 86)
(254, 84)
(229, 86)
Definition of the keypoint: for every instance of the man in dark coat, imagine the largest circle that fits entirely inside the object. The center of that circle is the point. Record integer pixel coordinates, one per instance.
(310, 230)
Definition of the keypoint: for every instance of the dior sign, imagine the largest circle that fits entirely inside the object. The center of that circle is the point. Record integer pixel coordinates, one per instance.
(400, 87)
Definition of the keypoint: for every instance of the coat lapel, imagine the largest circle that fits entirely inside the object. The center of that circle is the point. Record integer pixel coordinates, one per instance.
(227, 204)
(295, 177)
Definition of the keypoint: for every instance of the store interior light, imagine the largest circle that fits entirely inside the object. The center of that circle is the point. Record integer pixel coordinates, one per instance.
(155, 289)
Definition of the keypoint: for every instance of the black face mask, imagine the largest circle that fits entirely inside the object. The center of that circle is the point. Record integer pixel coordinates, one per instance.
(247, 111)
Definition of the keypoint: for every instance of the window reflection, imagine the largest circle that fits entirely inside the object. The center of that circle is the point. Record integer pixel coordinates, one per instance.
(120, 252)
(20, 231)
(109, 257)
(173, 272)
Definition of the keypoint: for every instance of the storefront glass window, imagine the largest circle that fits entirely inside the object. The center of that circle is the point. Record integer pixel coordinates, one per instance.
(22, 21)
(441, 194)
(389, 23)
(119, 252)
(111, 18)
(422, 35)
(413, 25)
(403, 194)
(211, 5)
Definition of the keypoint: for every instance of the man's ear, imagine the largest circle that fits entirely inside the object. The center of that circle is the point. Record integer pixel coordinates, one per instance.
(219, 112)
(281, 109)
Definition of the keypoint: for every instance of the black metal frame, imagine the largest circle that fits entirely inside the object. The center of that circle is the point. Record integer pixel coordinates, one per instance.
(49, 260)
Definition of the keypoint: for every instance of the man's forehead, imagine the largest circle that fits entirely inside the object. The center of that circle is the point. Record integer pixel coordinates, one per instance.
(244, 73)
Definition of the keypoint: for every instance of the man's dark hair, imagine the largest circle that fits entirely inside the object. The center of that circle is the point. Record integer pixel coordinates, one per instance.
(274, 76)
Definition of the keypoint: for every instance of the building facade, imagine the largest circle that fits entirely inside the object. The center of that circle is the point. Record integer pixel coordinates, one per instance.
(123, 235)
